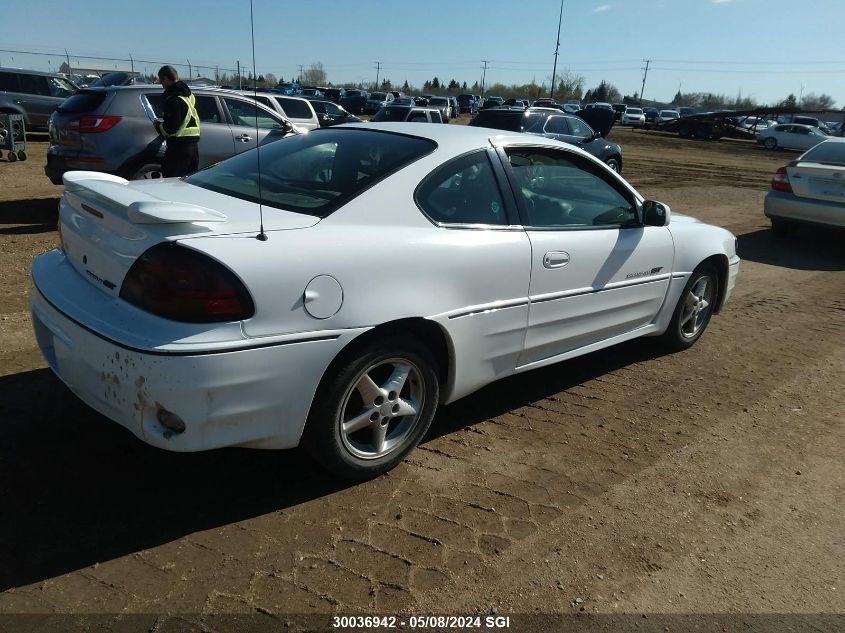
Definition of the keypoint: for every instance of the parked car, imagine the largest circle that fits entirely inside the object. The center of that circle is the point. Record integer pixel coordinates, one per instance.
(421, 101)
(468, 103)
(757, 124)
(619, 109)
(330, 113)
(170, 318)
(33, 94)
(809, 190)
(811, 120)
(552, 123)
(377, 100)
(118, 78)
(312, 92)
(571, 108)
(442, 104)
(791, 136)
(297, 110)
(405, 101)
(410, 114)
(355, 101)
(634, 117)
(492, 102)
(335, 94)
(685, 111)
(651, 114)
(110, 130)
(667, 115)
(286, 88)
(601, 105)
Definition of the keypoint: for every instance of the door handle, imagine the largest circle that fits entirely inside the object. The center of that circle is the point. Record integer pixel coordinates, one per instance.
(244, 138)
(556, 259)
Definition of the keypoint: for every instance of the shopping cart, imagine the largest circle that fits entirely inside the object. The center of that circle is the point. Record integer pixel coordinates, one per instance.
(13, 136)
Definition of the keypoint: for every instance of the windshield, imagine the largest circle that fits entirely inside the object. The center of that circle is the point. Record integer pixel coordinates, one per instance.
(633, 111)
(314, 174)
(437, 101)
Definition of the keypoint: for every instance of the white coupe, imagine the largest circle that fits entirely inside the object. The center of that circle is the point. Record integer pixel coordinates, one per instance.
(399, 267)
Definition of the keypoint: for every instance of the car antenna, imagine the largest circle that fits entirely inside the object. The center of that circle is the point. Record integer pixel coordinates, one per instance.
(262, 236)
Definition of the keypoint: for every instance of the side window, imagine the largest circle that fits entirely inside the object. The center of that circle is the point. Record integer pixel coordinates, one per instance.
(59, 87)
(463, 191)
(556, 125)
(9, 82)
(295, 108)
(563, 190)
(319, 108)
(250, 115)
(207, 109)
(34, 85)
(579, 127)
(332, 108)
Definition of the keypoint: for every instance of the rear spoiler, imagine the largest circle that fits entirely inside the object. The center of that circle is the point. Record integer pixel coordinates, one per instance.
(140, 207)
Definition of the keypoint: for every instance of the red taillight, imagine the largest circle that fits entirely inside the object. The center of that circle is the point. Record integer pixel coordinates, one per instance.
(780, 181)
(183, 285)
(94, 124)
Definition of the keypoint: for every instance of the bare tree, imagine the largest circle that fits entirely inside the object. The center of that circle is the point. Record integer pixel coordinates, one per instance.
(314, 75)
(270, 78)
(820, 102)
(568, 85)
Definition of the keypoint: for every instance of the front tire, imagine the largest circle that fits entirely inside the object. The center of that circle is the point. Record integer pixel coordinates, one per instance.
(373, 409)
(614, 164)
(770, 143)
(694, 309)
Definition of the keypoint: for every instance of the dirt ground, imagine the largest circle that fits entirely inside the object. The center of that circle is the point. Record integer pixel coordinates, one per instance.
(625, 490)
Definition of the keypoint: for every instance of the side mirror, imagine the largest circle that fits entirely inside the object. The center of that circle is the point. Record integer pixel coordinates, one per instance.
(655, 213)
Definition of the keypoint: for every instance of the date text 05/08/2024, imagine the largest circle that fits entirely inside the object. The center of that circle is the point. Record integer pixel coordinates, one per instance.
(421, 621)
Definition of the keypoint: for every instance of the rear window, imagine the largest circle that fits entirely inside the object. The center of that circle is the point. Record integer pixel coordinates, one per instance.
(294, 108)
(830, 152)
(513, 121)
(378, 96)
(83, 101)
(391, 114)
(314, 174)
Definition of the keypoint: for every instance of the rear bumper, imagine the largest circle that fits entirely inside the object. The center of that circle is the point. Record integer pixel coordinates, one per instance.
(787, 206)
(59, 162)
(255, 396)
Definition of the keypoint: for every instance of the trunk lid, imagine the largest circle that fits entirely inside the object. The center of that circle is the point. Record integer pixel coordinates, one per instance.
(61, 130)
(107, 222)
(818, 181)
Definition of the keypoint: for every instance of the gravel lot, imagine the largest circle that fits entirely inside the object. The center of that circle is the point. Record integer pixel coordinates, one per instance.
(625, 482)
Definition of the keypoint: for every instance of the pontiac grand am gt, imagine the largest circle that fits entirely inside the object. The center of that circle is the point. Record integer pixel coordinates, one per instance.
(398, 267)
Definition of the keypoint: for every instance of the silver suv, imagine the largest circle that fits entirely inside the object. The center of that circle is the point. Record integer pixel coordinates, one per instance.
(33, 94)
(110, 130)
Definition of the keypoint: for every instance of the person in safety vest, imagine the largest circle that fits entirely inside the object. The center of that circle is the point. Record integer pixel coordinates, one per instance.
(180, 125)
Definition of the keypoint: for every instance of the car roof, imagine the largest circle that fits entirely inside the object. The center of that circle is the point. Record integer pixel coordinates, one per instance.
(31, 72)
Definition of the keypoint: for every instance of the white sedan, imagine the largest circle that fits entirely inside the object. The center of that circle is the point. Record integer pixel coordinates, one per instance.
(386, 271)
(791, 136)
(633, 117)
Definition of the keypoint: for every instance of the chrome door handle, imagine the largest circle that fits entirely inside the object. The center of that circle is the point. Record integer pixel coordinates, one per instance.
(244, 138)
(556, 259)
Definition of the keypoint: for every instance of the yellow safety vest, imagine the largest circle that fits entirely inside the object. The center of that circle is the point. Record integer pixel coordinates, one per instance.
(191, 125)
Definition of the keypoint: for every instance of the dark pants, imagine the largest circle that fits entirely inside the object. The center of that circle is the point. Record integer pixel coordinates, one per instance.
(180, 159)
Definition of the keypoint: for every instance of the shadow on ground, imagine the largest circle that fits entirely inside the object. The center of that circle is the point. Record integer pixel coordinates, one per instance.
(806, 248)
(78, 489)
(39, 215)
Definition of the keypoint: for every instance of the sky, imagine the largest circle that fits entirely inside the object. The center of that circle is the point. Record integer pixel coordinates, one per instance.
(763, 49)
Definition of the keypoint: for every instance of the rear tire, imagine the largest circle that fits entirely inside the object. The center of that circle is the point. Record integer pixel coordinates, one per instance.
(149, 171)
(22, 155)
(12, 157)
(372, 408)
(694, 309)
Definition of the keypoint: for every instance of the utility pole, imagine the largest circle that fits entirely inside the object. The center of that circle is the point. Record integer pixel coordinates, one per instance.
(557, 47)
(484, 77)
(239, 74)
(69, 71)
(378, 70)
(299, 77)
(131, 63)
(190, 69)
(645, 74)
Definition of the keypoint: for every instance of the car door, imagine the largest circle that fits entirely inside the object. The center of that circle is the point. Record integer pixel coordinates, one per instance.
(596, 272)
(250, 122)
(36, 100)
(216, 142)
